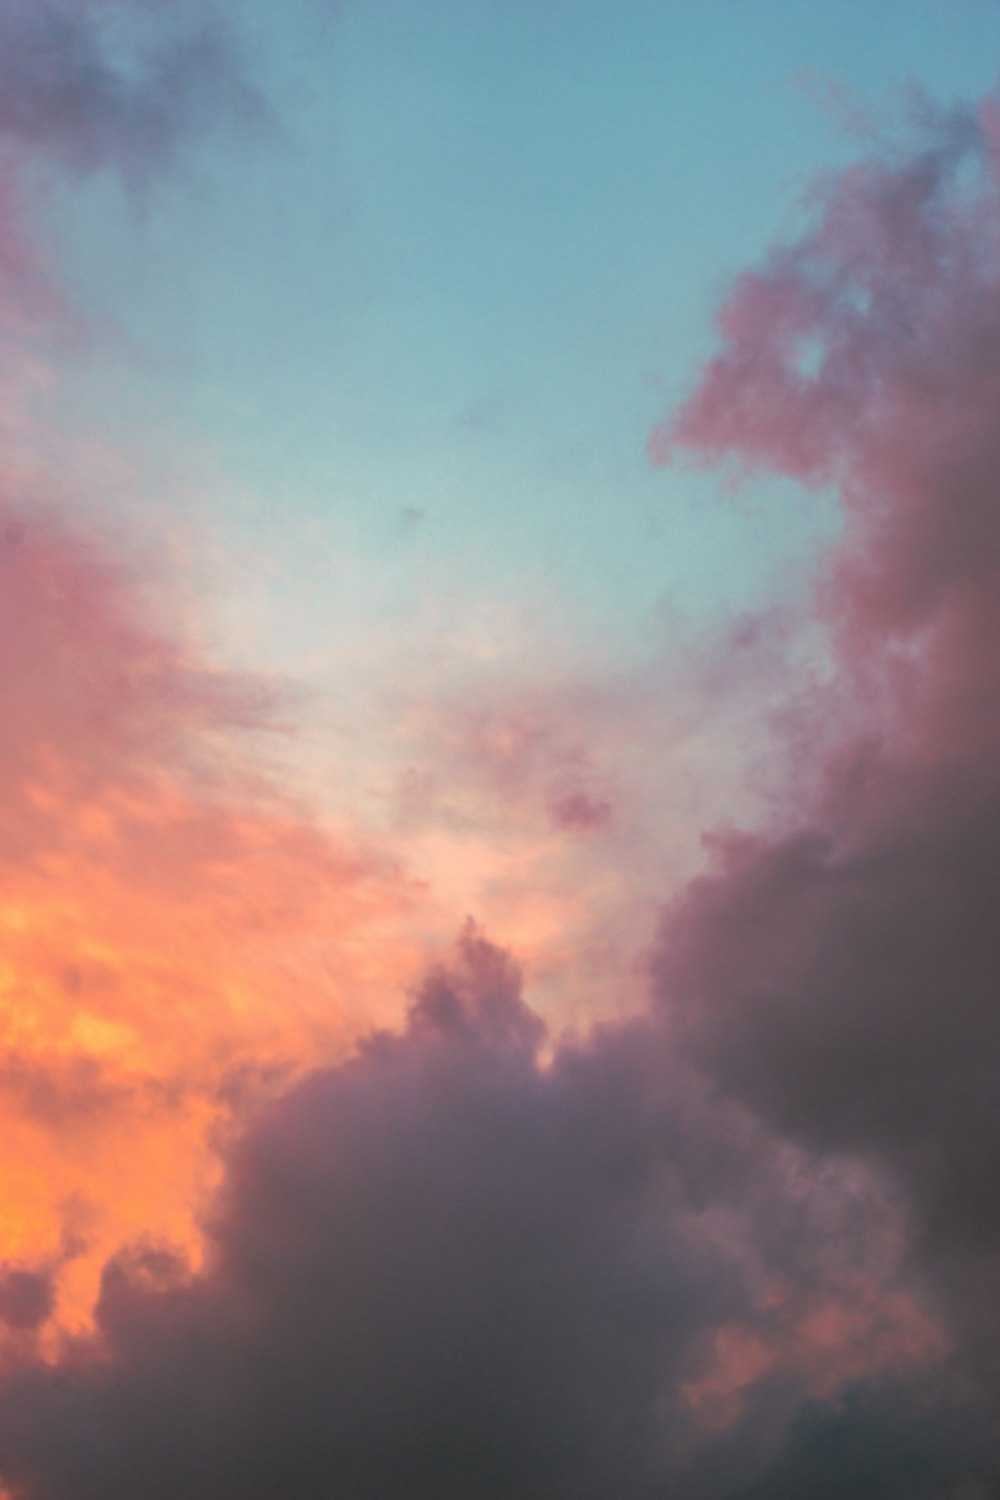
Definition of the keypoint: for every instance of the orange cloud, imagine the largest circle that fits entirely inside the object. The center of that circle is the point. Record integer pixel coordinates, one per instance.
(175, 934)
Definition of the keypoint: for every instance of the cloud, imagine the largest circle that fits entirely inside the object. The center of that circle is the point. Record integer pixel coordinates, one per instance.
(177, 934)
(121, 85)
(127, 86)
(26, 1298)
(579, 810)
(445, 1268)
(891, 1444)
(838, 970)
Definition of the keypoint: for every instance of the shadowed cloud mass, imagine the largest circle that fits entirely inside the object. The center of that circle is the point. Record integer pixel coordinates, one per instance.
(443, 1269)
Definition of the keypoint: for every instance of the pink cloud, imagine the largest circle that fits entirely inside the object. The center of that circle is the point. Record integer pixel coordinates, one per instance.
(177, 933)
(837, 972)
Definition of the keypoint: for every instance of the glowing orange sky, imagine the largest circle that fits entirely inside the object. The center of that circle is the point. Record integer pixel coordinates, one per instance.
(174, 933)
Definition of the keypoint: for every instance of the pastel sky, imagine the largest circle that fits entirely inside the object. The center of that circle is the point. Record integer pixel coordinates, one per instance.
(499, 757)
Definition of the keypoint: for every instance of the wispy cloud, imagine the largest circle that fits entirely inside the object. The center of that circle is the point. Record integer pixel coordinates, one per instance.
(122, 85)
(171, 923)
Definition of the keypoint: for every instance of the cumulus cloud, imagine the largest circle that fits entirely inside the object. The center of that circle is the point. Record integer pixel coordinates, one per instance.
(838, 971)
(448, 1269)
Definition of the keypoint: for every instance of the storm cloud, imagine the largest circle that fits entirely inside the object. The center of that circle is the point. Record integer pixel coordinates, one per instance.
(447, 1269)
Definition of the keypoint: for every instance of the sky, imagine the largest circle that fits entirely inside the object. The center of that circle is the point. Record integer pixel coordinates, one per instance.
(499, 750)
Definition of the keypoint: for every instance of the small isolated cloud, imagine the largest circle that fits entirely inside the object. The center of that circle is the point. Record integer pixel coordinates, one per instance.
(578, 810)
(88, 85)
(124, 85)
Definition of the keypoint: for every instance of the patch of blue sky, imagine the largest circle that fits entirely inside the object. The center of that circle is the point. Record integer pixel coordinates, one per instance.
(432, 321)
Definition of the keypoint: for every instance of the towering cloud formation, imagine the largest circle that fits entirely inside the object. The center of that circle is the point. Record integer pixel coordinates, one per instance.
(840, 972)
(443, 1270)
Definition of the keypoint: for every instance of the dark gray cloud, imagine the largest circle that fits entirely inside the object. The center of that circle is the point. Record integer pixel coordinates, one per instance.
(841, 972)
(26, 1297)
(893, 1444)
(441, 1271)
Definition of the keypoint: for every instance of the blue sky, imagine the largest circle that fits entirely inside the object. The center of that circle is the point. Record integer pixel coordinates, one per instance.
(423, 324)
